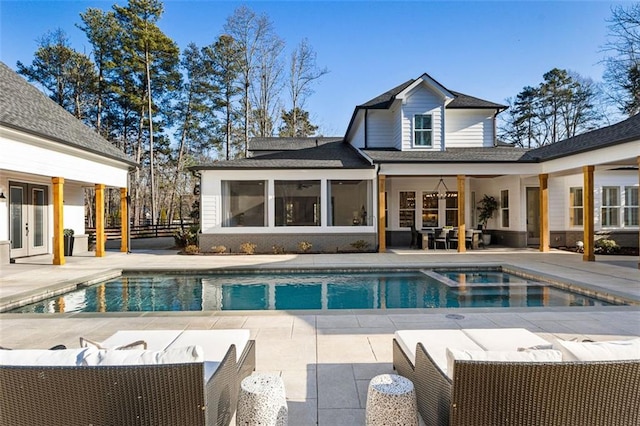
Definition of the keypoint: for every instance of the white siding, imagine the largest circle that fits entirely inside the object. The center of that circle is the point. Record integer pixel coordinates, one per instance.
(422, 101)
(380, 129)
(358, 133)
(468, 128)
(397, 128)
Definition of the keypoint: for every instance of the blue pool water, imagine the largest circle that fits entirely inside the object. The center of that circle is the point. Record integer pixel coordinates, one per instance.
(323, 291)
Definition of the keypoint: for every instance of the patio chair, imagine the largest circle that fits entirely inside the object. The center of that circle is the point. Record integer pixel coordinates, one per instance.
(415, 238)
(464, 392)
(453, 238)
(442, 237)
(468, 238)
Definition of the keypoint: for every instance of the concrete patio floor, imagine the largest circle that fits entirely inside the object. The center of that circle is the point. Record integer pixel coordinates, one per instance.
(325, 358)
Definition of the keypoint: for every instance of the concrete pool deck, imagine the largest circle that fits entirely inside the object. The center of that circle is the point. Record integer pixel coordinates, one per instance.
(326, 359)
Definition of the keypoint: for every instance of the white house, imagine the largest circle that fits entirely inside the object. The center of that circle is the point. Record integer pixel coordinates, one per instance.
(421, 155)
(47, 159)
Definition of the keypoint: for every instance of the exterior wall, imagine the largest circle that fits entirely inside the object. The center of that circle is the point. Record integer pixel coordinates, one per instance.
(380, 129)
(397, 126)
(358, 133)
(469, 128)
(422, 101)
(325, 243)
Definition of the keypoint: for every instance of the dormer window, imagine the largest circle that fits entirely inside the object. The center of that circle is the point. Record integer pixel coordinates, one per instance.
(422, 130)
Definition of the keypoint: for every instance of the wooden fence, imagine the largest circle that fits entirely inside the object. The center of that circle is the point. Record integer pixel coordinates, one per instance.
(142, 231)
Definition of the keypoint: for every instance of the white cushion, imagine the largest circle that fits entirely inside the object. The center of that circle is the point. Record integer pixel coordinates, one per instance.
(613, 350)
(187, 354)
(155, 339)
(43, 357)
(548, 355)
(138, 344)
(505, 339)
(435, 342)
(215, 343)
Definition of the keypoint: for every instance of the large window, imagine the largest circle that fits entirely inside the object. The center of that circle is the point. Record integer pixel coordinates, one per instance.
(297, 203)
(576, 206)
(610, 206)
(423, 130)
(407, 209)
(504, 207)
(243, 203)
(451, 209)
(630, 206)
(430, 209)
(350, 202)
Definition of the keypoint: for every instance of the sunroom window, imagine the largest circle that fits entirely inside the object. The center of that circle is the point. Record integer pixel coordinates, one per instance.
(423, 129)
(243, 203)
(350, 203)
(297, 203)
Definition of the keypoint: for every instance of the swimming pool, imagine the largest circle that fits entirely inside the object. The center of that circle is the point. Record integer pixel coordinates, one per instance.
(312, 290)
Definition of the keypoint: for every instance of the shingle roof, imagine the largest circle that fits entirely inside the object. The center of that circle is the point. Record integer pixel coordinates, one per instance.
(23, 107)
(289, 144)
(330, 155)
(385, 100)
(624, 131)
(497, 154)
(465, 101)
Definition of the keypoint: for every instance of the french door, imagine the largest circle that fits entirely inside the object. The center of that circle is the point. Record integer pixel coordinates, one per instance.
(533, 216)
(28, 219)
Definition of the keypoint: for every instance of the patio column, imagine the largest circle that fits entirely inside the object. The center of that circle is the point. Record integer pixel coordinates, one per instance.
(58, 220)
(124, 221)
(589, 254)
(544, 212)
(382, 230)
(461, 214)
(100, 220)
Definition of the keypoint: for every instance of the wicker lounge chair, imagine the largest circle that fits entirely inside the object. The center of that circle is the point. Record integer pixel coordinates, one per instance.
(522, 393)
(201, 393)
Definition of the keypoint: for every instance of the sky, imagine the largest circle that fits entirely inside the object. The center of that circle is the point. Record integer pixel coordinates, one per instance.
(490, 50)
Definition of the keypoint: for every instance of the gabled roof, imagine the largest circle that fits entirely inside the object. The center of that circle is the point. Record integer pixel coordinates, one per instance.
(498, 154)
(289, 144)
(25, 108)
(329, 155)
(460, 100)
(624, 131)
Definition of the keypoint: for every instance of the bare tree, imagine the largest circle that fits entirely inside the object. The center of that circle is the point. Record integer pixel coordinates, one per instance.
(303, 71)
(257, 43)
(622, 73)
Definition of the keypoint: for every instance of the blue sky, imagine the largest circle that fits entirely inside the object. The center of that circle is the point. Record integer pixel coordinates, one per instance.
(486, 49)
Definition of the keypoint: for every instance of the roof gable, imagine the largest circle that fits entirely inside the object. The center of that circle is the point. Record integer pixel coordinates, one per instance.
(25, 108)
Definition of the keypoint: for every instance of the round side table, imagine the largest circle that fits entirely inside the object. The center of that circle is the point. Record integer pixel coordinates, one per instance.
(391, 400)
(262, 401)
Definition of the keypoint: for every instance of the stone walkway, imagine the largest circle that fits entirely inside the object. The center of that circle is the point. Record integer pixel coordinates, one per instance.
(326, 359)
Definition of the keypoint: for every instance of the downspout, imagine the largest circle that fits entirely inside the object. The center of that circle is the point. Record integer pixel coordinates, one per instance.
(495, 128)
(366, 132)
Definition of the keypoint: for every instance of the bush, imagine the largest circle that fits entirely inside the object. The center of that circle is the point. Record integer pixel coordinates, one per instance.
(186, 237)
(304, 246)
(68, 232)
(361, 245)
(606, 246)
(248, 248)
(218, 249)
(277, 249)
(191, 249)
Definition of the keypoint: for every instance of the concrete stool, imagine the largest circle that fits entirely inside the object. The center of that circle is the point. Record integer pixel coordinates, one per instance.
(391, 400)
(262, 401)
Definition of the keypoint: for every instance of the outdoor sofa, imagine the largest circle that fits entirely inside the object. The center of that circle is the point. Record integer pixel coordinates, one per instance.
(182, 378)
(501, 387)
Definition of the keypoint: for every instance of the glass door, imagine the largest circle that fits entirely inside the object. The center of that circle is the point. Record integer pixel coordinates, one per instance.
(533, 216)
(28, 219)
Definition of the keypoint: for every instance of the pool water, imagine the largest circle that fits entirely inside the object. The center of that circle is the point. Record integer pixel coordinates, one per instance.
(303, 291)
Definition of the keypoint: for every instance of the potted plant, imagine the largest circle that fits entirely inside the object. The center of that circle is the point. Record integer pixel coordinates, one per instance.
(68, 241)
(487, 206)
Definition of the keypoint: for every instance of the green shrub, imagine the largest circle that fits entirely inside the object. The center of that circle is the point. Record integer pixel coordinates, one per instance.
(361, 245)
(67, 232)
(304, 246)
(248, 248)
(218, 249)
(606, 246)
(186, 237)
